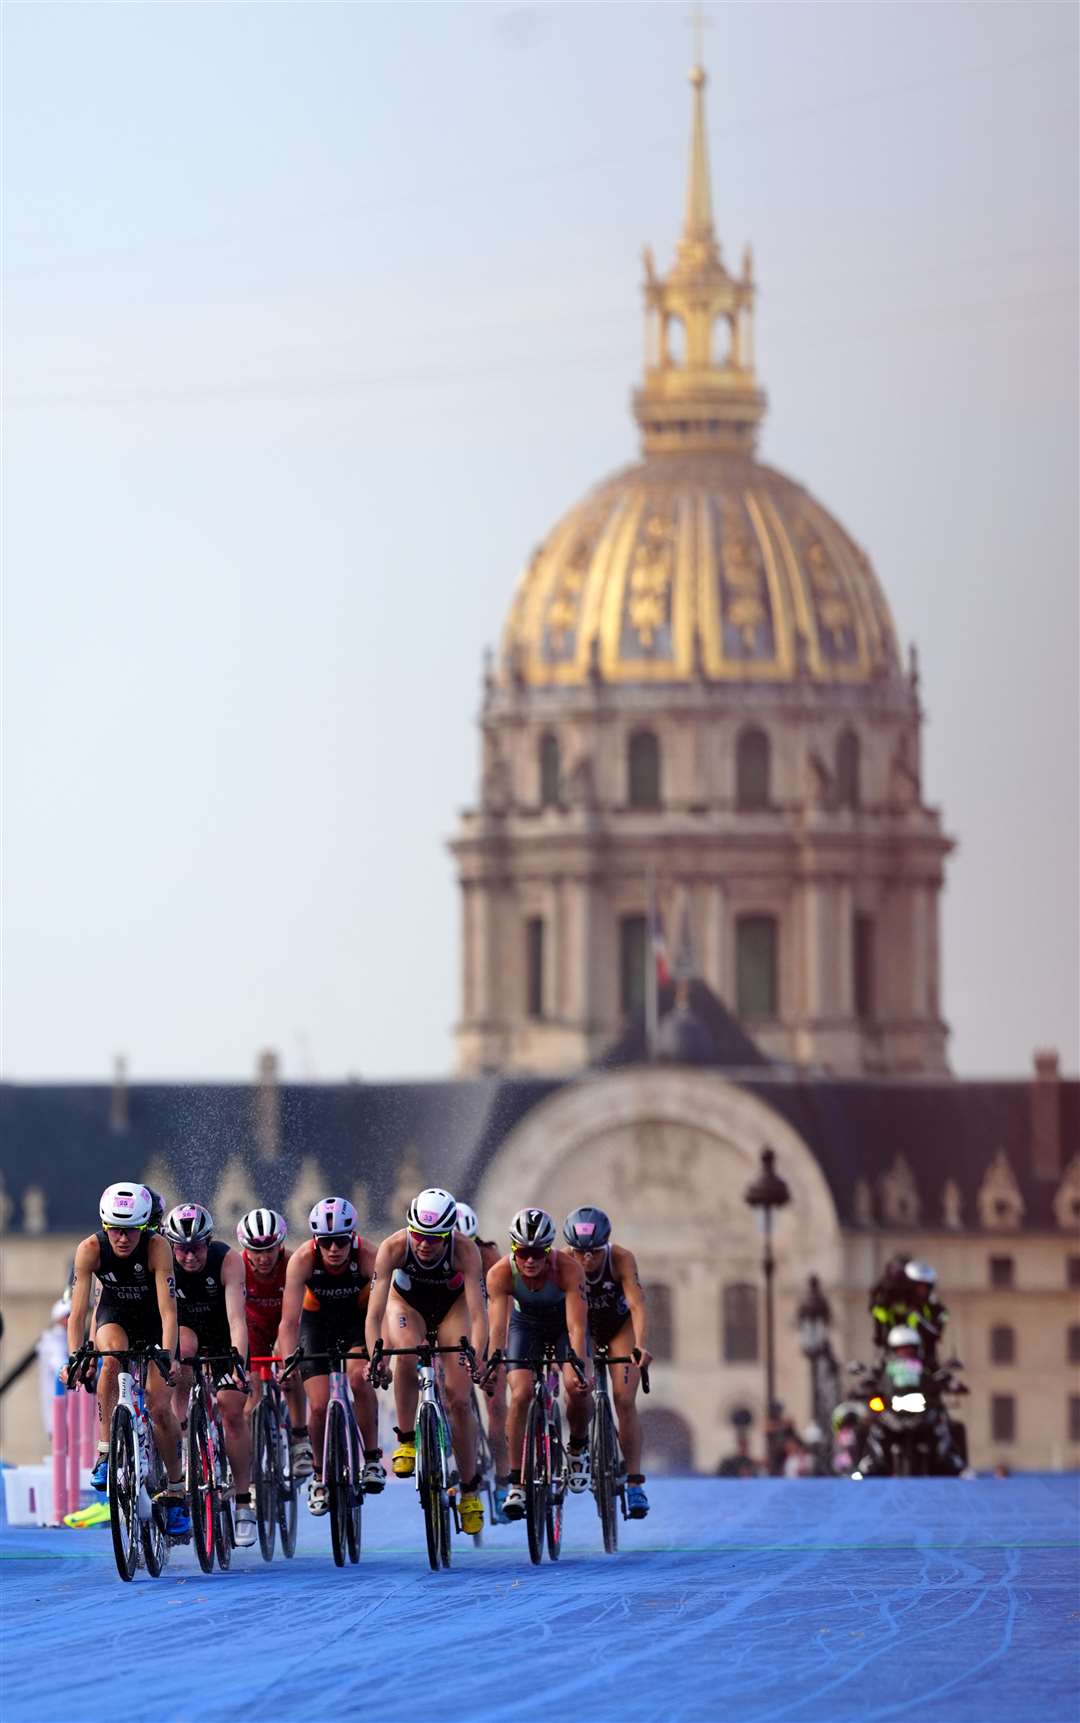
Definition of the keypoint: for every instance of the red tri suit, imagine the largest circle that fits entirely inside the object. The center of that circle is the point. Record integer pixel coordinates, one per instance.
(263, 1294)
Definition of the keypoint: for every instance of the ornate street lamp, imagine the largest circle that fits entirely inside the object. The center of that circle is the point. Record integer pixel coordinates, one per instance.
(814, 1319)
(768, 1192)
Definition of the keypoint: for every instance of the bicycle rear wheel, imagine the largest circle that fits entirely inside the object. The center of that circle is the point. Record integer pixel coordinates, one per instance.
(356, 1495)
(485, 1467)
(429, 1482)
(155, 1537)
(604, 1467)
(336, 1478)
(557, 1486)
(123, 1493)
(264, 1476)
(201, 1483)
(534, 1478)
(224, 1531)
(286, 1501)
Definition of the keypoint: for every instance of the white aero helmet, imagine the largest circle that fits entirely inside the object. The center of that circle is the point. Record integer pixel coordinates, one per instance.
(434, 1211)
(902, 1335)
(467, 1222)
(188, 1223)
(918, 1271)
(332, 1217)
(261, 1229)
(533, 1226)
(126, 1205)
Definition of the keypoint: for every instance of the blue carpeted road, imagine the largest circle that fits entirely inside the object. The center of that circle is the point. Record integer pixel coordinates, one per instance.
(741, 1602)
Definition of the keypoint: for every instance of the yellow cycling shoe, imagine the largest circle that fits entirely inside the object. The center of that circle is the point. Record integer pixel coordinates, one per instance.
(403, 1459)
(471, 1511)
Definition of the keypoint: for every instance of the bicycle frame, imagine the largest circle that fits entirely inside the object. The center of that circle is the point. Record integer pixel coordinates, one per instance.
(142, 1537)
(546, 1489)
(436, 1477)
(271, 1462)
(210, 1481)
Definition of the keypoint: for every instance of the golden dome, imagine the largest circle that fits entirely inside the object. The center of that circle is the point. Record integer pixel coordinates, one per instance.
(700, 561)
(707, 565)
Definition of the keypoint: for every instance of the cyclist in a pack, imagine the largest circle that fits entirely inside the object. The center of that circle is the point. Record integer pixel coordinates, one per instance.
(137, 1308)
(327, 1286)
(261, 1236)
(468, 1225)
(428, 1277)
(618, 1320)
(537, 1296)
(210, 1303)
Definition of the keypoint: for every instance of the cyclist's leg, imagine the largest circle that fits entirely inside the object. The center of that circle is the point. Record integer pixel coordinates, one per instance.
(579, 1411)
(159, 1404)
(110, 1337)
(496, 1411)
(405, 1327)
(317, 1383)
(457, 1390)
(188, 1342)
(366, 1405)
(624, 1379)
(522, 1345)
(230, 1403)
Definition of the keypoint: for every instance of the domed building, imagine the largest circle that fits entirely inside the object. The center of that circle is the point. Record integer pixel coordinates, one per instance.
(700, 699)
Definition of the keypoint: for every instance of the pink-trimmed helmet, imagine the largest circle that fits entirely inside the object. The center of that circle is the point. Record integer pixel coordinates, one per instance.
(433, 1211)
(332, 1215)
(188, 1223)
(586, 1229)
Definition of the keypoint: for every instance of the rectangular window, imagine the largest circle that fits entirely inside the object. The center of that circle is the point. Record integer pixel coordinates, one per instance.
(1074, 1417)
(1072, 1344)
(1003, 1417)
(863, 959)
(632, 964)
(1072, 1271)
(661, 1324)
(739, 1309)
(1002, 1271)
(534, 966)
(756, 966)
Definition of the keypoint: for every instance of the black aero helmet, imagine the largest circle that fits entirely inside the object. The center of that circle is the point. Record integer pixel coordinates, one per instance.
(157, 1211)
(587, 1229)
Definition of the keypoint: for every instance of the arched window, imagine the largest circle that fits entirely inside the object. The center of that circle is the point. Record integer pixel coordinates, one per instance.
(862, 956)
(549, 771)
(756, 948)
(667, 1445)
(534, 966)
(632, 930)
(752, 770)
(740, 1320)
(643, 769)
(661, 1326)
(676, 340)
(847, 770)
(1003, 1345)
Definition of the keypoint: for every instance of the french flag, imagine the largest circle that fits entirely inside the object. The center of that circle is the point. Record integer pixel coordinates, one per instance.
(659, 947)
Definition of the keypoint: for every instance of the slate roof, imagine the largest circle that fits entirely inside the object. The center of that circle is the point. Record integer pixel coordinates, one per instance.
(58, 1136)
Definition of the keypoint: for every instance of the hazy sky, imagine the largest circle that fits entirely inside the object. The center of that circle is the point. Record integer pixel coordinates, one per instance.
(318, 316)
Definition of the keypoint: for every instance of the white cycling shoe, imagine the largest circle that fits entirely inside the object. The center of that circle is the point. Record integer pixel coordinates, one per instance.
(579, 1473)
(318, 1498)
(373, 1477)
(514, 1505)
(302, 1458)
(244, 1526)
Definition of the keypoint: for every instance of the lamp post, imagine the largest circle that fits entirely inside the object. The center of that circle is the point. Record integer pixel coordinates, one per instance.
(768, 1192)
(814, 1318)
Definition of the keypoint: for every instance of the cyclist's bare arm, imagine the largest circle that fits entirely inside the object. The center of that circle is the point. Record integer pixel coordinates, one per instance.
(500, 1284)
(571, 1277)
(87, 1262)
(625, 1265)
(161, 1262)
(297, 1275)
(233, 1280)
(467, 1257)
(390, 1255)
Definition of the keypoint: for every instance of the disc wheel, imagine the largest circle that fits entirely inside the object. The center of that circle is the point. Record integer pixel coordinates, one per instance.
(286, 1491)
(429, 1479)
(264, 1476)
(604, 1465)
(534, 1478)
(336, 1479)
(224, 1534)
(557, 1488)
(123, 1493)
(201, 1483)
(355, 1497)
(153, 1532)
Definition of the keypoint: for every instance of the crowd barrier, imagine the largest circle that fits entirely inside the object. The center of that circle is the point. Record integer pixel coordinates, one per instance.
(74, 1448)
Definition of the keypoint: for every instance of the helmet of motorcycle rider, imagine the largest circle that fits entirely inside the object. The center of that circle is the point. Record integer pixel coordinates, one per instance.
(902, 1336)
(586, 1229)
(467, 1222)
(332, 1217)
(261, 1229)
(532, 1227)
(188, 1223)
(920, 1273)
(432, 1211)
(126, 1205)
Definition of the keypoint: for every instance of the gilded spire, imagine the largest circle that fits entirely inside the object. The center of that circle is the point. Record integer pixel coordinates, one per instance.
(699, 393)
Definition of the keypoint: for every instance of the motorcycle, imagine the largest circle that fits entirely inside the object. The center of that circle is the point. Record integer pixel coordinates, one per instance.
(906, 1431)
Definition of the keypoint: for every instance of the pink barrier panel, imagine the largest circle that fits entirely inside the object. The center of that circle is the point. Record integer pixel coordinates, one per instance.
(59, 1457)
(88, 1427)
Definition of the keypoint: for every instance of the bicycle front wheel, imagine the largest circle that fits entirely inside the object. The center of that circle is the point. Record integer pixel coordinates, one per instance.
(264, 1476)
(155, 1537)
(124, 1493)
(430, 1483)
(534, 1478)
(356, 1496)
(556, 1485)
(224, 1531)
(604, 1466)
(286, 1490)
(201, 1483)
(336, 1478)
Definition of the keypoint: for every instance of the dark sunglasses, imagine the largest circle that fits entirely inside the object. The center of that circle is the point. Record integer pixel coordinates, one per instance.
(532, 1252)
(326, 1238)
